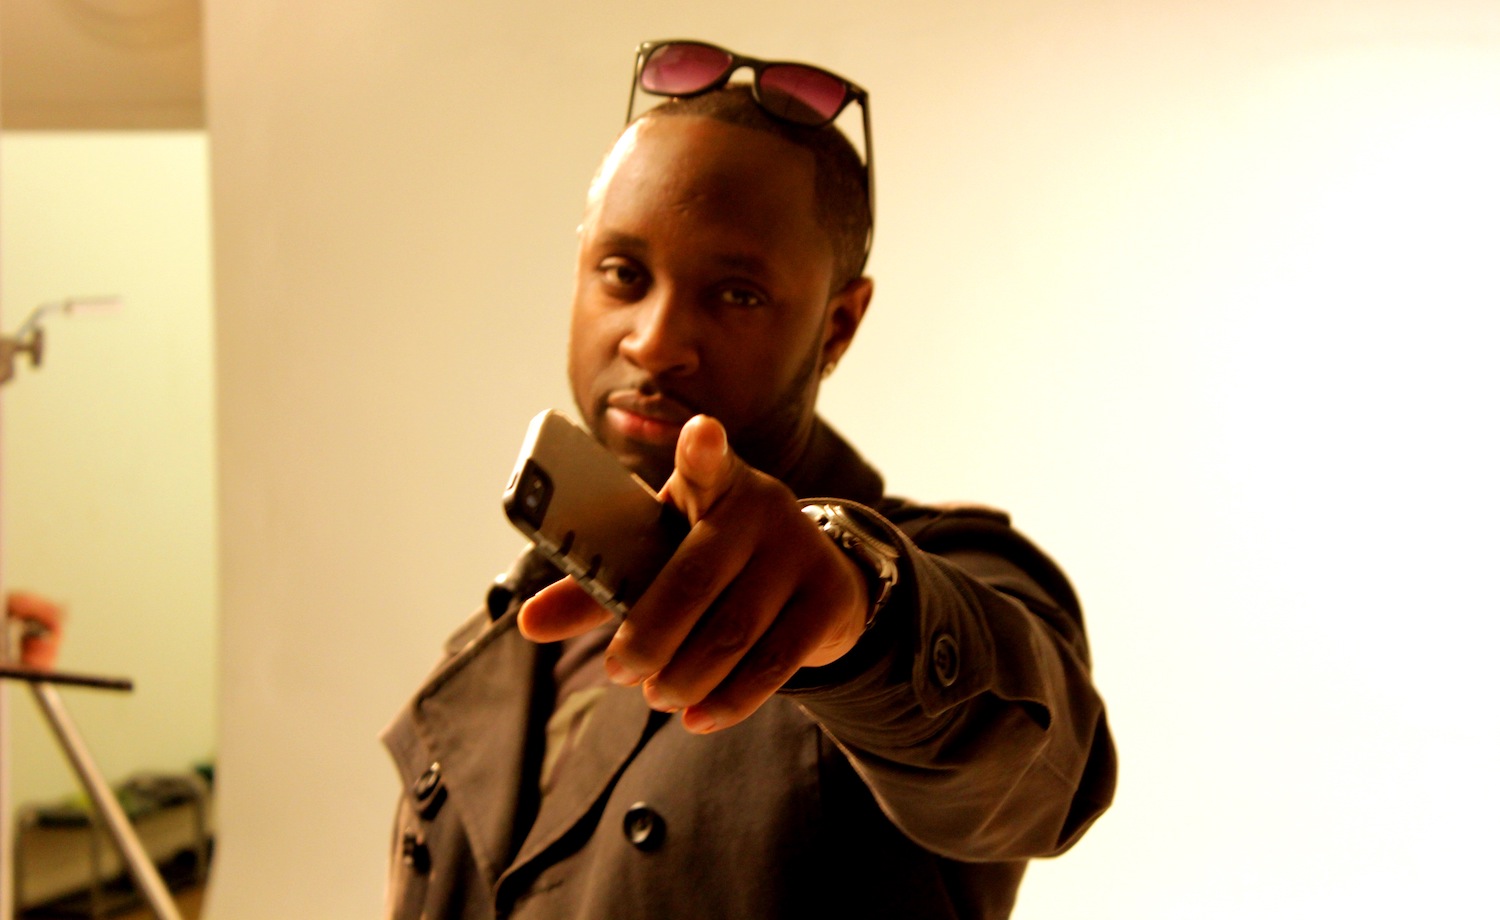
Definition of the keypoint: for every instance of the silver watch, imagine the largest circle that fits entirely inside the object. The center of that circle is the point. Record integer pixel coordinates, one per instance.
(862, 543)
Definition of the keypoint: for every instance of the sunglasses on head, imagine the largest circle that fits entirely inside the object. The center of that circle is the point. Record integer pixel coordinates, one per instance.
(797, 93)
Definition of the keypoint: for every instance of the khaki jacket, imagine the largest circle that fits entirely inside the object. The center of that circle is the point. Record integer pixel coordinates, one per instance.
(913, 778)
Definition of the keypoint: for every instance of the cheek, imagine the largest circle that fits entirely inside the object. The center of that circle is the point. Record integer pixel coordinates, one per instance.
(593, 344)
(754, 370)
(586, 346)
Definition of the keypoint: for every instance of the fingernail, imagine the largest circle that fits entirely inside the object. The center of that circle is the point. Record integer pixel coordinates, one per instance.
(653, 696)
(702, 454)
(618, 673)
(697, 721)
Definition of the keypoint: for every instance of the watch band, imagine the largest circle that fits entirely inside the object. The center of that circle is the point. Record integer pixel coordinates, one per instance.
(861, 542)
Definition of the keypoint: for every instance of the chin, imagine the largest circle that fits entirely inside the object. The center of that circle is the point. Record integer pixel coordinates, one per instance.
(654, 475)
(651, 466)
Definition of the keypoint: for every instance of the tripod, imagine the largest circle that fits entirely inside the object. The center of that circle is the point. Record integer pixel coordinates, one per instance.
(28, 340)
(43, 686)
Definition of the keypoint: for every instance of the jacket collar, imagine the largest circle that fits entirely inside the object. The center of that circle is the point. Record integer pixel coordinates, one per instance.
(830, 468)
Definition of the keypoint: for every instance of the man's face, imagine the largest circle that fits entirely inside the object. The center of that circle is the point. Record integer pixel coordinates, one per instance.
(704, 286)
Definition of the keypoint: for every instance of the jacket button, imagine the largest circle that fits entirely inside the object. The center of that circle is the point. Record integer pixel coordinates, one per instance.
(945, 659)
(644, 828)
(497, 599)
(429, 792)
(414, 853)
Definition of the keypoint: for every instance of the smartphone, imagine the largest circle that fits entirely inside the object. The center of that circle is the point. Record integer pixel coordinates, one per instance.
(590, 516)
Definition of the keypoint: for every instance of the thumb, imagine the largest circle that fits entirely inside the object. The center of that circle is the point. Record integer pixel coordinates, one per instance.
(705, 468)
(560, 611)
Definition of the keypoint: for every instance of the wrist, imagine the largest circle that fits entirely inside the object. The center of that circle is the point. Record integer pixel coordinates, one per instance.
(861, 540)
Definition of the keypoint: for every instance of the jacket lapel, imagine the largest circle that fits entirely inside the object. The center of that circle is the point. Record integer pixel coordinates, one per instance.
(619, 725)
(487, 689)
(490, 687)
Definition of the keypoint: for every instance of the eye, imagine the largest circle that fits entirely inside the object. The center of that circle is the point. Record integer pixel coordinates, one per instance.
(621, 276)
(744, 297)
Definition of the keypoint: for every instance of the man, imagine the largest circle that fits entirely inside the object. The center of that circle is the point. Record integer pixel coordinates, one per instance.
(851, 706)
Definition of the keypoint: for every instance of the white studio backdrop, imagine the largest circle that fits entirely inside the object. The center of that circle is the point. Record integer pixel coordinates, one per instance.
(1200, 292)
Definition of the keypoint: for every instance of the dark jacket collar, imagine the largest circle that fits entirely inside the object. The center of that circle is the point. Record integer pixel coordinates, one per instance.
(830, 468)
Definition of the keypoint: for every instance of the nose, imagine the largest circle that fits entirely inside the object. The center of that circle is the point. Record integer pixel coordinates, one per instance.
(663, 335)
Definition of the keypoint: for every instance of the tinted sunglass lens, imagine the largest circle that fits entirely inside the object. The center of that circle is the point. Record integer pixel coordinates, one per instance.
(801, 94)
(683, 68)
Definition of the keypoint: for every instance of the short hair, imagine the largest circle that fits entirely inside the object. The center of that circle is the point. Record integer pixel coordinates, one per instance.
(840, 181)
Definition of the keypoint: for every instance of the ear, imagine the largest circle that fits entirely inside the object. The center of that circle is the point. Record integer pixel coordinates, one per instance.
(846, 309)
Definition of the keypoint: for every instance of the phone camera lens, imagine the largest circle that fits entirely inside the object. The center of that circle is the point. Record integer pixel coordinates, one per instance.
(534, 493)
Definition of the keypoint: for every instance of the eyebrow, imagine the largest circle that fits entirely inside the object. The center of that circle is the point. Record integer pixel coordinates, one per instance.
(614, 239)
(742, 262)
(746, 264)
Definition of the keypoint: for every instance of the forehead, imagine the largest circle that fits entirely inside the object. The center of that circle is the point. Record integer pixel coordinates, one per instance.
(737, 185)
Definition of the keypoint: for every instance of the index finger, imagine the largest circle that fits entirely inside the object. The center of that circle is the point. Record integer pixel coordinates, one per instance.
(704, 468)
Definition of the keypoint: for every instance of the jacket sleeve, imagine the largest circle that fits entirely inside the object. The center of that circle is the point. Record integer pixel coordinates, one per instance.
(968, 707)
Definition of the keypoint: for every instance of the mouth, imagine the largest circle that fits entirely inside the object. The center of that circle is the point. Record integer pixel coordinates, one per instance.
(655, 420)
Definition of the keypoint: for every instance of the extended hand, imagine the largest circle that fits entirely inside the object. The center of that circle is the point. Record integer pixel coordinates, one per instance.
(41, 627)
(754, 592)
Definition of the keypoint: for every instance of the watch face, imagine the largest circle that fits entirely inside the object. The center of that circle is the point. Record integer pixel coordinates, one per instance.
(875, 557)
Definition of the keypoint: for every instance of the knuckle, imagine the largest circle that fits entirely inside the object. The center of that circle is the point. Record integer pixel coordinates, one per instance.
(730, 644)
(757, 492)
(729, 636)
(768, 669)
(694, 580)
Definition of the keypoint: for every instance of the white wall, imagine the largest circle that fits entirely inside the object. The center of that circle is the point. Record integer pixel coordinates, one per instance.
(1201, 292)
(108, 453)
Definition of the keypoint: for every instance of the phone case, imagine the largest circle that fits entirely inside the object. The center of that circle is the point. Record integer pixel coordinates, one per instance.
(593, 518)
